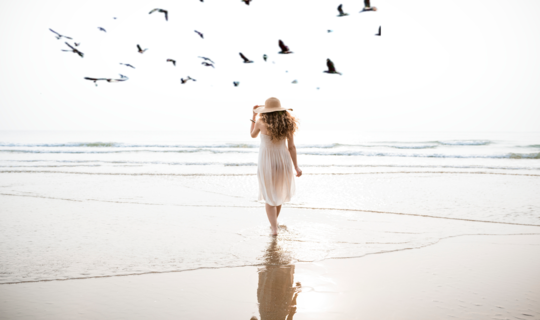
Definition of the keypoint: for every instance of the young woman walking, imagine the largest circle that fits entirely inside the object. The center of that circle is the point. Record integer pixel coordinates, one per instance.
(277, 156)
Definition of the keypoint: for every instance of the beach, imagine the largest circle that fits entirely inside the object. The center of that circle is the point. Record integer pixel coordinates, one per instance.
(167, 225)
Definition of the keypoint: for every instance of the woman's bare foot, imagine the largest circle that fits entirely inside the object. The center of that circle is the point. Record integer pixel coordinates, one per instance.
(274, 231)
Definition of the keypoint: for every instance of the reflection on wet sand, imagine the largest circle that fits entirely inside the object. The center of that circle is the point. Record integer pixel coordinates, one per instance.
(276, 292)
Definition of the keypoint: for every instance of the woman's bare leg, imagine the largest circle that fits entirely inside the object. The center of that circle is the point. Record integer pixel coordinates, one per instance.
(278, 208)
(271, 212)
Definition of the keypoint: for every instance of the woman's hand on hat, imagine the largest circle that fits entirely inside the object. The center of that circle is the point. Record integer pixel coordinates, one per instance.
(254, 114)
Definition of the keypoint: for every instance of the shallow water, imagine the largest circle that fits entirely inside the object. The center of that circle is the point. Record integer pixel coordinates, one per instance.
(76, 205)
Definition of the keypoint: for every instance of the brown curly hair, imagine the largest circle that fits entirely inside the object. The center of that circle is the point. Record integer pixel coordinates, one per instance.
(280, 124)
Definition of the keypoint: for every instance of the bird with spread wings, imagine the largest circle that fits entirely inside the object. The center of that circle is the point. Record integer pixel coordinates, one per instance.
(162, 11)
(74, 50)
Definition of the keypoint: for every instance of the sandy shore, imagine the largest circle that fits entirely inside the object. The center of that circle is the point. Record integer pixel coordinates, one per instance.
(469, 277)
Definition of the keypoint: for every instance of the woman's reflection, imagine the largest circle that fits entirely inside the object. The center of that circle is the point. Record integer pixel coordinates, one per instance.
(276, 293)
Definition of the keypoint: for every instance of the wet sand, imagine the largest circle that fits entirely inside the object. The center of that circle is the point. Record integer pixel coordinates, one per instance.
(467, 277)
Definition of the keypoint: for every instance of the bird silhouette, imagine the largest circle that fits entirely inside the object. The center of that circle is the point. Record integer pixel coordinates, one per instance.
(329, 31)
(105, 79)
(206, 64)
(341, 13)
(331, 68)
(102, 29)
(173, 61)
(161, 10)
(368, 7)
(246, 2)
(246, 60)
(284, 48)
(183, 81)
(127, 65)
(200, 34)
(379, 34)
(265, 57)
(140, 49)
(59, 36)
(236, 83)
(94, 79)
(74, 50)
(295, 81)
(123, 76)
(76, 43)
(206, 59)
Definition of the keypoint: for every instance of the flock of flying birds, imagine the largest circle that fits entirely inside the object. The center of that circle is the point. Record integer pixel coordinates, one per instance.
(207, 62)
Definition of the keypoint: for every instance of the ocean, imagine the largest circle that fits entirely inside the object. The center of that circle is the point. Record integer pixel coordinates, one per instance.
(92, 204)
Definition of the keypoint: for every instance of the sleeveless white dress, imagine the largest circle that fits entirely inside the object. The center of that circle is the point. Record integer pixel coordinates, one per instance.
(275, 172)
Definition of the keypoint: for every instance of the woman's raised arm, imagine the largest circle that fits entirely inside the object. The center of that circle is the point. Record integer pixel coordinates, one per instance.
(254, 128)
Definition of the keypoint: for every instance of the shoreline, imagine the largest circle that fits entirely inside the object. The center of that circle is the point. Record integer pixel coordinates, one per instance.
(396, 285)
(262, 264)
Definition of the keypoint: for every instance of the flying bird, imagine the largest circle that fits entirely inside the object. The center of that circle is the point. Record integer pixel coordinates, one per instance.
(127, 65)
(173, 61)
(295, 81)
(246, 60)
(284, 48)
(199, 33)
(206, 64)
(102, 29)
(331, 68)
(140, 49)
(236, 83)
(74, 50)
(76, 44)
(161, 10)
(246, 1)
(379, 34)
(95, 79)
(206, 59)
(341, 13)
(123, 76)
(104, 79)
(182, 80)
(368, 7)
(329, 31)
(59, 36)
(265, 57)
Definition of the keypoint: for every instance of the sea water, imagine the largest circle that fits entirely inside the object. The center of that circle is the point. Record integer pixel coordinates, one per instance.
(137, 202)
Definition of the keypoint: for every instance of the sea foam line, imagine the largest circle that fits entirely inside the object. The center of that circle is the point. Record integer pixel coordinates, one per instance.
(535, 155)
(434, 242)
(261, 206)
(254, 174)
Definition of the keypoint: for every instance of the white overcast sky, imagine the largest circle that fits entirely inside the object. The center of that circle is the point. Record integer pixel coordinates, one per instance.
(439, 66)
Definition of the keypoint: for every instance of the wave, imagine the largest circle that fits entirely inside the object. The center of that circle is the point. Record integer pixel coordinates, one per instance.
(464, 142)
(390, 144)
(535, 155)
(99, 163)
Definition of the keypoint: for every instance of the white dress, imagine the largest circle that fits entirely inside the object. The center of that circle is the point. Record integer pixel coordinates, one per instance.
(275, 172)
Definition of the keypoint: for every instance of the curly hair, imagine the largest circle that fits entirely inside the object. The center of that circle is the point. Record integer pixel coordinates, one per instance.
(280, 124)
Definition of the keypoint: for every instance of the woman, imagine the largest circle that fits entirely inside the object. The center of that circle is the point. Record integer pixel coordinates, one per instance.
(276, 158)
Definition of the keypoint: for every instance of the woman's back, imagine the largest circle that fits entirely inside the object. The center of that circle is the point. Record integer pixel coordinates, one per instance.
(275, 171)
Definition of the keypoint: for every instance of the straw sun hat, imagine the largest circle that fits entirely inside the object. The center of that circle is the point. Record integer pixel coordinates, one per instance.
(270, 105)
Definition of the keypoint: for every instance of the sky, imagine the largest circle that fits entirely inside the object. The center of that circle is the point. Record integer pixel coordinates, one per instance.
(438, 66)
